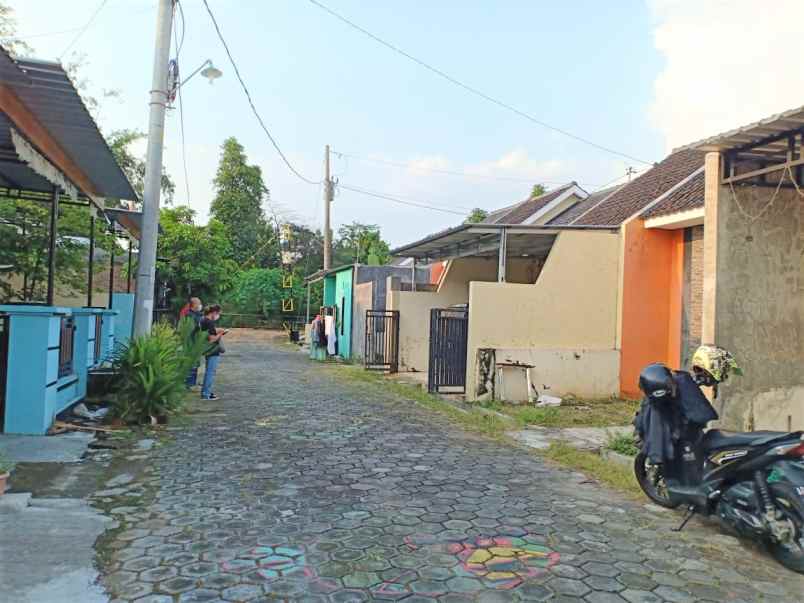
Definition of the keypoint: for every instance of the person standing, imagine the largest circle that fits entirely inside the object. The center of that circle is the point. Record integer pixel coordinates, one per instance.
(195, 311)
(207, 325)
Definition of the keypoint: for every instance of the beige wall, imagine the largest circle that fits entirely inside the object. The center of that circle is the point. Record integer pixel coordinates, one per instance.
(754, 305)
(572, 307)
(362, 300)
(558, 209)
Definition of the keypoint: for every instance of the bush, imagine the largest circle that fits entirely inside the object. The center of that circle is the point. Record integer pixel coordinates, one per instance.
(151, 371)
(623, 444)
(5, 466)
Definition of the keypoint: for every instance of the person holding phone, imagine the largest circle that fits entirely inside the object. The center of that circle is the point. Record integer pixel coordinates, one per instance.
(213, 355)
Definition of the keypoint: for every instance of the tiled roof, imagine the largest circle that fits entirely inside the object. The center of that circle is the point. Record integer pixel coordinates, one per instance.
(684, 198)
(575, 211)
(517, 214)
(647, 187)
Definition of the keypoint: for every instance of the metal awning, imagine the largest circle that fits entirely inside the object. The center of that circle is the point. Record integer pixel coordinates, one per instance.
(484, 240)
(321, 274)
(47, 93)
(131, 221)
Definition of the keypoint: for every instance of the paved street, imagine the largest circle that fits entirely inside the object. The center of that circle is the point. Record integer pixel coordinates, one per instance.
(299, 485)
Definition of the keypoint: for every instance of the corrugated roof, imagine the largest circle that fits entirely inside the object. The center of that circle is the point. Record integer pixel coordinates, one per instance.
(47, 91)
(644, 189)
(517, 214)
(689, 195)
(575, 211)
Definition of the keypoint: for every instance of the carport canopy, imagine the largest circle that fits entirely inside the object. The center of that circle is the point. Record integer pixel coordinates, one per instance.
(487, 240)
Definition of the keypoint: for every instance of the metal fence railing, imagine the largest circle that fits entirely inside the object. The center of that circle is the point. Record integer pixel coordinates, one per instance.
(66, 347)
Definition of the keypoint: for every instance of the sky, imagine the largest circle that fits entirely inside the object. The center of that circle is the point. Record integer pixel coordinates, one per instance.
(639, 77)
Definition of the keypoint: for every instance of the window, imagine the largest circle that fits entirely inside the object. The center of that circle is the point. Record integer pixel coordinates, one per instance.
(66, 336)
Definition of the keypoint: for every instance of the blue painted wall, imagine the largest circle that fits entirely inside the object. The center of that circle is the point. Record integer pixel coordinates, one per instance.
(343, 301)
(123, 303)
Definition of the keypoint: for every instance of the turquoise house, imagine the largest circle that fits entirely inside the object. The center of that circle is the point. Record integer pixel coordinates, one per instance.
(52, 154)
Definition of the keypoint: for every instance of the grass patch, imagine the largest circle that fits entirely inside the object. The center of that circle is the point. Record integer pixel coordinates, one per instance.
(478, 420)
(623, 444)
(573, 412)
(614, 475)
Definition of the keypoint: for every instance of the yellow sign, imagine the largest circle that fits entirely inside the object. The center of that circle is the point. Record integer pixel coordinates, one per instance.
(287, 281)
(287, 305)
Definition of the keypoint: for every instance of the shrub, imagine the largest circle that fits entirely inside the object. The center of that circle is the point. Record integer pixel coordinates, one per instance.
(5, 466)
(151, 371)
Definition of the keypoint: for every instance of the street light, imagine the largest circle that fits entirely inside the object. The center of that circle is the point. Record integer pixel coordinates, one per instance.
(208, 70)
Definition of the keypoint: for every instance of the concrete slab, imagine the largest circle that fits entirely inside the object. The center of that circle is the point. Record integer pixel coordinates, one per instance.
(47, 554)
(62, 448)
(583, 438)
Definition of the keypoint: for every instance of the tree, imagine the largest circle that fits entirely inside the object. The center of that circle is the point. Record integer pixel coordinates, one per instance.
(261, 291)
(362, 244)
(120, 142)
(476, 216)
(239, 194)
(308, 245)
(198, 257)
(8, 33)
(538, 190)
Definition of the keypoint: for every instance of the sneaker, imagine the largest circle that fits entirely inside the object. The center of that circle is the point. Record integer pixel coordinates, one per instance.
(210, 397)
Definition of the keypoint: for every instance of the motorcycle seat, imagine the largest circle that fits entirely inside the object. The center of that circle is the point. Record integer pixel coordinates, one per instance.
(715, 438)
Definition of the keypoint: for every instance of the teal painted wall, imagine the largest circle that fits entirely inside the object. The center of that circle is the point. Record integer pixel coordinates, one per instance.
(34, 392)
(329, 290)
(123, 303)
(343, 301)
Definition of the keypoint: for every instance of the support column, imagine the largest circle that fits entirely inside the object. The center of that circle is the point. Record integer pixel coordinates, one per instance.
(54, 232)
(712, 188)
(130, 263)
(91, 262)
(503, 256)
(413, 275)
(111, 268)
(308, 303)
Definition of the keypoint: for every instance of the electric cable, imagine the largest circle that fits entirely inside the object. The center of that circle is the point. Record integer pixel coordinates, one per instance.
(469, 88)
(251, 102)
(84, 28)
(178, 46)
(400, 201)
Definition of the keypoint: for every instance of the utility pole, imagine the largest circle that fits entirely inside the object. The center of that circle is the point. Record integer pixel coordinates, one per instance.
(146, 269)
(328, 194)
(630, 171)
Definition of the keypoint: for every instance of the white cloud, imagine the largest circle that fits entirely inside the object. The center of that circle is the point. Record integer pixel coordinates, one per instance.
(728, 63)
(518, 164)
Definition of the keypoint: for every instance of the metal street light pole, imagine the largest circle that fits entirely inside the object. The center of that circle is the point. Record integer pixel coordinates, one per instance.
(146, 271)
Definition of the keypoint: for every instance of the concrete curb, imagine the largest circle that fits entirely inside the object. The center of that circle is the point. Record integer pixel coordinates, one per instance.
(616, 457)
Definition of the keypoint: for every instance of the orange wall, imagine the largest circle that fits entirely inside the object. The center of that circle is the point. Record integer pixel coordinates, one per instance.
(436, 271)
(653, 266)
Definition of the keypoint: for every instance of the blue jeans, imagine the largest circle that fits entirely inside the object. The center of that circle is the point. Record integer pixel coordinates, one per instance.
(192, 377)
(209, 375)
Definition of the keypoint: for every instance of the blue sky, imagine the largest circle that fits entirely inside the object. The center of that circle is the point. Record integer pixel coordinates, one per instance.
(589, 67)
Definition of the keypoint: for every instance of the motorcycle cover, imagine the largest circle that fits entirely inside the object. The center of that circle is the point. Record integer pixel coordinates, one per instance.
(660, 424)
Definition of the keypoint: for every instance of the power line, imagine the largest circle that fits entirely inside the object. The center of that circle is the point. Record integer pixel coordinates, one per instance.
(400, 201)
(251, 102)
(48, 34)
(469, 88)
(84, 28)
(412, 166)
(178, 46)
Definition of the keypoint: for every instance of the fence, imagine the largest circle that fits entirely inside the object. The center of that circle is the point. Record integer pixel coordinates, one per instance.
(66, 347)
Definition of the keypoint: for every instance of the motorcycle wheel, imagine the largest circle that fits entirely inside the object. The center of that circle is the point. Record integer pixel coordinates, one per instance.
(790, 555)
(650, 479)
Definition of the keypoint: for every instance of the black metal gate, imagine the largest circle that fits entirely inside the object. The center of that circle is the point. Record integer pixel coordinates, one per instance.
(381, 351)
(449, 330)
(4, 329)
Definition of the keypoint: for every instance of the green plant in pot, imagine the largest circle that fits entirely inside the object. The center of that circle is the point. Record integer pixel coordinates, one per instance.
(151, 371)
(5, 470)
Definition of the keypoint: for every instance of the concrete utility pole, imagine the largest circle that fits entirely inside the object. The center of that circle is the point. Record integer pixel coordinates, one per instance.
(146, 271)
(328, 194)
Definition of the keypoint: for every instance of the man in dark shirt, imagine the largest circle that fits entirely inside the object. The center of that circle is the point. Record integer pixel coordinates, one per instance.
(195, 311)
(213, 355)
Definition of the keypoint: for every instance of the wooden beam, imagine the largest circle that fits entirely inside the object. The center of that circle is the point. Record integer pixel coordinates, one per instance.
(39, 135)
(767, 170)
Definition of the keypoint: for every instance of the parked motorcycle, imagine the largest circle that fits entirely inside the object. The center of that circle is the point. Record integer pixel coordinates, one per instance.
(753, 482)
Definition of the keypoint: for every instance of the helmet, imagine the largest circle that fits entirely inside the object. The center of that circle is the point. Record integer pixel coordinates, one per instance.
(714, 364)
(657, 382)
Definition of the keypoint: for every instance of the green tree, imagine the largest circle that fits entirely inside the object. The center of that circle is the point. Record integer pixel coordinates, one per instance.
(8, 33)
(308, 245)
(198, 257)
(476, 216)
(261, 291)
(361, 243)
(538, 190)
(239, 195)
(120, 142)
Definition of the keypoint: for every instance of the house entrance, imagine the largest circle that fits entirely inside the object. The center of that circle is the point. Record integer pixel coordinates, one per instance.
(449, 331)
(381, 350)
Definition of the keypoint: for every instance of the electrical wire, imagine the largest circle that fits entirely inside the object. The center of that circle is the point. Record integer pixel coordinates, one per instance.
(398, 200)
(181, 104)
(251, 102)
(411, 166)
(469, 88)
(84, 28)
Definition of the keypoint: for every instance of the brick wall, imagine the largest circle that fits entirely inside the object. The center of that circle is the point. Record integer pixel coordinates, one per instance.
(693, 291)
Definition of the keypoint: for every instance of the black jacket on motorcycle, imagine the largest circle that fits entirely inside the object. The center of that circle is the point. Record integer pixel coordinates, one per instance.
(661, 424)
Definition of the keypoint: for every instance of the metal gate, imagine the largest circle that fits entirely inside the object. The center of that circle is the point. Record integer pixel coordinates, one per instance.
(449, 330)
(381, 350)
(4, 328)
